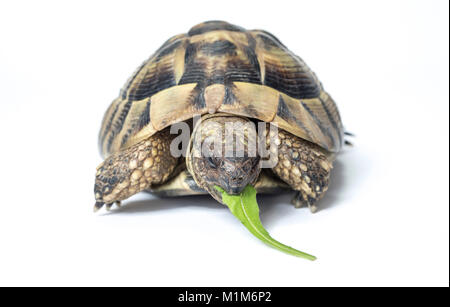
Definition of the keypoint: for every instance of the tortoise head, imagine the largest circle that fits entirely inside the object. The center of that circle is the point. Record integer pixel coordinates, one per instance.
(224, 154)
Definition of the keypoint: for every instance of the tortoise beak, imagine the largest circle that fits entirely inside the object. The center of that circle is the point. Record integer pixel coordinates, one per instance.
(235, 190)
(234, 184)
(230, 190)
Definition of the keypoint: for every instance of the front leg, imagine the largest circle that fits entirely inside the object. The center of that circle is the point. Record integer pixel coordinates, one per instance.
(305, 167)
(134, 169)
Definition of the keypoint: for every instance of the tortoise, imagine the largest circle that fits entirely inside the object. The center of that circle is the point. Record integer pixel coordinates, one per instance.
(223, 74)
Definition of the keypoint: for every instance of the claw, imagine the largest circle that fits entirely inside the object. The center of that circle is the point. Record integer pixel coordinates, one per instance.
(108, 206)
(297, 202)
(98, 205)
(348, 143)
(312, 208)
(348, 134)
(118, 204)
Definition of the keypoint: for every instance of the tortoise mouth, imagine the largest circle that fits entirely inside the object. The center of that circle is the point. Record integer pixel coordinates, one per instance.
(229, 185)
(235, 190)
(233, 187)
(211, 188)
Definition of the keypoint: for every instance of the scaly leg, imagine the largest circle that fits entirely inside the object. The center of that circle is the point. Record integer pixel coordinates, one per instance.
(305, 167)
(134, 169)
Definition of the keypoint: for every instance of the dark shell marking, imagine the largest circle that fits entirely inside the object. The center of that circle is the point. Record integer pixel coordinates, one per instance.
(217, 53)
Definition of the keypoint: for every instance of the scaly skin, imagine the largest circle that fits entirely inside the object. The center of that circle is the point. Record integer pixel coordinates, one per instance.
(134, 169)
(304, 166)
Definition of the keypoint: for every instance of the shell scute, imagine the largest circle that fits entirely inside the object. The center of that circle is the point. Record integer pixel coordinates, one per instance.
(219, 67)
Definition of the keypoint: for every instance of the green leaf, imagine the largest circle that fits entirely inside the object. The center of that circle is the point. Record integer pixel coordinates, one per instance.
(245, 208)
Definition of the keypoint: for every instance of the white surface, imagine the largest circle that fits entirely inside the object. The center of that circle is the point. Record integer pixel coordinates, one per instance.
(385, 220)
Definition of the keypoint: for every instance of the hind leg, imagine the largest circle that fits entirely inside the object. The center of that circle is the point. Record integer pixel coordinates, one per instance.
(305, 167)
(134, 169)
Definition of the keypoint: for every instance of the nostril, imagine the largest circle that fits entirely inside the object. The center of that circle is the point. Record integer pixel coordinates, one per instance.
(237, 178)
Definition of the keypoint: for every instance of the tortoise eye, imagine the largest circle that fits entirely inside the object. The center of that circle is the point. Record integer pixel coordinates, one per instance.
(211, 162)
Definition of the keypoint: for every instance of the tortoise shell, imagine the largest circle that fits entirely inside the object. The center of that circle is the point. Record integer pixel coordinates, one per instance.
(220, 67)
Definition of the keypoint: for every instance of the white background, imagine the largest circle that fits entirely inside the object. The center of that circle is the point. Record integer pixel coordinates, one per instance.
(384, 222)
